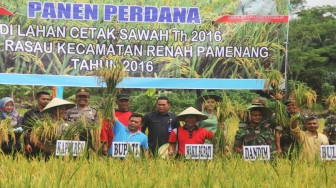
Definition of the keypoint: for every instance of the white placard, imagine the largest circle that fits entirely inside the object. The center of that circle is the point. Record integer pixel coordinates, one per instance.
(122, 149)
(328, 152)
(67, 147)
(198, 151)
(252, 153)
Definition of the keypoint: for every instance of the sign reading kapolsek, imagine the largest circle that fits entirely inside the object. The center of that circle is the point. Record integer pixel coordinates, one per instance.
(328, 152)
(123, 149)
(198, 151)
(252, 153)
(70, 147)
(158, 39)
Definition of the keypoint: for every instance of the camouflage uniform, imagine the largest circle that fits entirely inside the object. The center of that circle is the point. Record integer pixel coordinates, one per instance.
(260, 102)
(259, 135)
(330, 126)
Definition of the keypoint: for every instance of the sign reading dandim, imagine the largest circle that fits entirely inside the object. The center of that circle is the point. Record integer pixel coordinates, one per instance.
(252, 153)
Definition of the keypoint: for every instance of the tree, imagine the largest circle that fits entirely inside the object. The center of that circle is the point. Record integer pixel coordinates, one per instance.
(312, 49)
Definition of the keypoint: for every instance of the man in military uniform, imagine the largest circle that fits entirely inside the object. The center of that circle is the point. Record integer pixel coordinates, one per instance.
(329, 129)
(259, 101)
(91, 116)
(255, 133)
(286, 142)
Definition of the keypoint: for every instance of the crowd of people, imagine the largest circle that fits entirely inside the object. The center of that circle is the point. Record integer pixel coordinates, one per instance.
(166, 130)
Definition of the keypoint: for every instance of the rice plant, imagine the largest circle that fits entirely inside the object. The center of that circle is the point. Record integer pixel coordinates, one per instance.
(303, 95)
(111, 77)
(6, 131)
(331, 101)
(273, 83)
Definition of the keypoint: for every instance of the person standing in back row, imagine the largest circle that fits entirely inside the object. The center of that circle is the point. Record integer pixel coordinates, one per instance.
(123, 115)
(160, 124)
(43, 99)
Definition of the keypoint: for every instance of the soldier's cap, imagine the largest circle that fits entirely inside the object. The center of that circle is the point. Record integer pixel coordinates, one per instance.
(191, 111)
(123, 97)
(289, 100)
(266, 112)
(56, 102)
(259, 101)
(82, 91)
(200, 100)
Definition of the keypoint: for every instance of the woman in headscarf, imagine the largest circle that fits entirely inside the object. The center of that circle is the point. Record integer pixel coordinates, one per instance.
(7, 111)
(208, 105)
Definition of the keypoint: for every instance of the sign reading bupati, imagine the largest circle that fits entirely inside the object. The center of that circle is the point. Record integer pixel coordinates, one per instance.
(70, 147)
(252, 153)
(166, 39)
(123, 149)
(198, 151)
(328, 152)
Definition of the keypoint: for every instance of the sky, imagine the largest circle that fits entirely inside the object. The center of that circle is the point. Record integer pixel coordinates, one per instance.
(312, 3)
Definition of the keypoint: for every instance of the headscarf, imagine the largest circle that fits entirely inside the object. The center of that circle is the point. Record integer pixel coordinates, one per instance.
(14, 115)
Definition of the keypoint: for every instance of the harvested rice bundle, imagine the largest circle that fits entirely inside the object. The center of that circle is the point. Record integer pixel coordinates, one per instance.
(111, 77)
(225, 109)
(6, 130)
(303, 95)
(331, 101)
(273, 82)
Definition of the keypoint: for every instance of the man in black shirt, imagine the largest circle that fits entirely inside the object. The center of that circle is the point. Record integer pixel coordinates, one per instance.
(42, 98)
(159, 123)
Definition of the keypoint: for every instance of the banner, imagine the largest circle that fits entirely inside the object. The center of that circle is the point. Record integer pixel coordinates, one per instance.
(202, 44)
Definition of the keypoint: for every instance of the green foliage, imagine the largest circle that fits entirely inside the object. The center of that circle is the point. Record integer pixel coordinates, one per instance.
(311, 54)
(327, 89)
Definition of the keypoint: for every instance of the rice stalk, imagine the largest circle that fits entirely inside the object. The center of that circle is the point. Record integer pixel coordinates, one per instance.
(225, 109)
(111, 77)
(331, 101)
(273, 79)
(6, 131)
(303, 95)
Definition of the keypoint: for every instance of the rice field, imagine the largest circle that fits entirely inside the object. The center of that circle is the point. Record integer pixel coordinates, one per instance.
(99, 171)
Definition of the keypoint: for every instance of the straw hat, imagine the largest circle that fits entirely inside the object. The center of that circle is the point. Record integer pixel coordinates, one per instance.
(259, 101)
(266, 112)
(58, 102)
(191, 111)
(203, 98)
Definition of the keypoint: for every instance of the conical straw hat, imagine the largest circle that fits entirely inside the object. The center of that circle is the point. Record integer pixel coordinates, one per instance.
(191, 111)
(58, 102)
